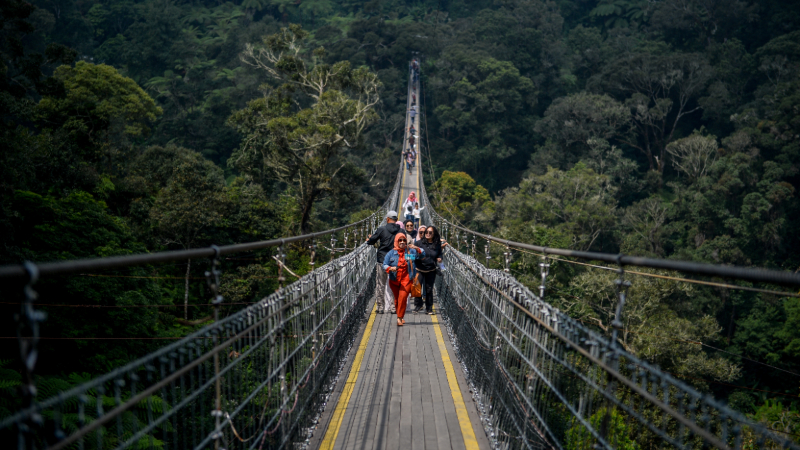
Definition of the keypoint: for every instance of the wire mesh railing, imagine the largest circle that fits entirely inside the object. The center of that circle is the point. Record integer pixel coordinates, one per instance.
(254, 379)
(551, 382)
(544, 380)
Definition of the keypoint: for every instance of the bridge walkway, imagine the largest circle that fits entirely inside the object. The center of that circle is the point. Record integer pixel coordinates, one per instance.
(403, 387)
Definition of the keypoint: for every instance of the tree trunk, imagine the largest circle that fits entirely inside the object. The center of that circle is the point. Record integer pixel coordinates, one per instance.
(308, 204)
(186, 292)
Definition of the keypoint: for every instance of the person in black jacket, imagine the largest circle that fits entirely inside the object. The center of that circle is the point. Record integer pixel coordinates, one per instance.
(385, 235)
(432, 244)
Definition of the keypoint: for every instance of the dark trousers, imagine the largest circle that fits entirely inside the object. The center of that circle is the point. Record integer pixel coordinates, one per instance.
(427, 279)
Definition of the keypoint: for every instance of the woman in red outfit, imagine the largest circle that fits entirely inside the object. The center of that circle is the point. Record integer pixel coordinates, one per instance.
(401, 272)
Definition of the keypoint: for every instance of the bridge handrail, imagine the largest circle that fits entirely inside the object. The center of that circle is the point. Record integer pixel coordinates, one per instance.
(308, 300)
(269, 316)
(67, 267)
(714, 270)
(112, 262)
(512, 344)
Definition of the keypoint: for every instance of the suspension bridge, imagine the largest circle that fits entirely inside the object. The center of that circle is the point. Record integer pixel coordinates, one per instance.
(313, 366)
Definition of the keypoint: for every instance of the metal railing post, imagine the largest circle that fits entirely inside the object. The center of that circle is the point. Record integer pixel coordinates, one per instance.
(212, 279)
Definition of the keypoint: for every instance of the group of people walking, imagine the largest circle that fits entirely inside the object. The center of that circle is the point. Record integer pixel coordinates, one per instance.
(410, 153)
(409, 254)
(408, 260)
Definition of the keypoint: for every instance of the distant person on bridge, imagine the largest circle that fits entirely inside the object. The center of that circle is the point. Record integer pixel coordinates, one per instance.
(412, 112)
(411, 140)
(417, 215)
(399, 264)
(408, 206)
(385, 235)
(413, 99)
(431, 244)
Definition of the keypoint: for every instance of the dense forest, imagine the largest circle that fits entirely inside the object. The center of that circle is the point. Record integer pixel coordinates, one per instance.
(663, 128)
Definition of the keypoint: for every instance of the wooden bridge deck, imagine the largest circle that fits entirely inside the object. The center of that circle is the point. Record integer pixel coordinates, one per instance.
(404, 387)
(404, 390)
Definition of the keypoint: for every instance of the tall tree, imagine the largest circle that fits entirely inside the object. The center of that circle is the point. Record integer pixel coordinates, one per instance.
(305, 147)
(662, 88)
(191, 204)
(99, 113)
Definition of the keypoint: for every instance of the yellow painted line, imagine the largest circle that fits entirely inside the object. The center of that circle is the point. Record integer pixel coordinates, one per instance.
(470, 442)
(400, 214)
(344, 400)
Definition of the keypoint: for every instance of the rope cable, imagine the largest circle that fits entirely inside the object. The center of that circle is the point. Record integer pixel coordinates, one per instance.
(667, 277)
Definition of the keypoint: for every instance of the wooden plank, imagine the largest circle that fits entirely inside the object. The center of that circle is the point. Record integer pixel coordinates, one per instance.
(439, 420)
(417, 422)
(359, 419)
(453, 423)
(384, 394)
(366, 430)
(428, 418)
(405, 392)
(453, 427)
(332, 433)
(392, 423)
(352, 414)
(326, 415)
(472, 407)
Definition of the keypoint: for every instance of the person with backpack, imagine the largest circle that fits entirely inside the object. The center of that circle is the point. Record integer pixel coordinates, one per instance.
(385, 237)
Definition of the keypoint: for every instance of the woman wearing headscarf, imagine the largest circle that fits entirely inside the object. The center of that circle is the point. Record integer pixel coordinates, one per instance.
(399, 264)
(409, 205)
(411, 233)
(418, 300)
(431, 244)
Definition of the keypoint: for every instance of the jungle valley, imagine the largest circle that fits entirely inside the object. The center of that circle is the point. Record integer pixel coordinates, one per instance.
(666, 128)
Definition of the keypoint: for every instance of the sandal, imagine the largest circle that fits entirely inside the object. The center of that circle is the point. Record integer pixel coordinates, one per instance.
(399, 322)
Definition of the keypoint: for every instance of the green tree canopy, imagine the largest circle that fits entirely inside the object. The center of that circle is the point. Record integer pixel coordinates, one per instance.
(457, 196)
(99, 105)
(305, 147)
